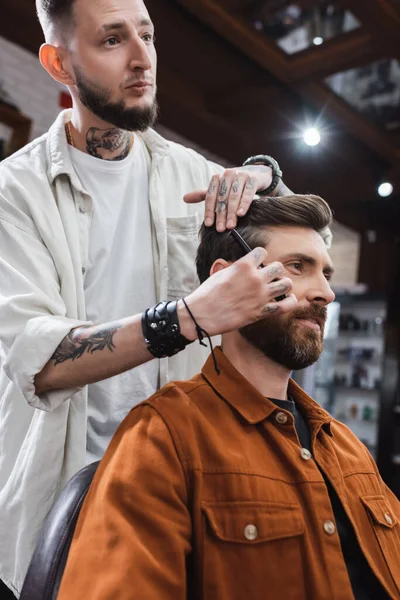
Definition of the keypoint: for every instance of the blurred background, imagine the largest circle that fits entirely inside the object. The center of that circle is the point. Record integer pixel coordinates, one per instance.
(315, 84)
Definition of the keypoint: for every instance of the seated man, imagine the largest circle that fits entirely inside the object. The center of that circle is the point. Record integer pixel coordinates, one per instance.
(236, 485)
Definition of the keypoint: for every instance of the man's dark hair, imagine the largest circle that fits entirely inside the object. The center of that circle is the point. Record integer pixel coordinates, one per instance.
(56, 17)
(296, 210)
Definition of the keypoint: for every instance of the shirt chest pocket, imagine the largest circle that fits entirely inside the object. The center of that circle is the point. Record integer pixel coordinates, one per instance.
(244, 543)
(387, 531)
(182, 243)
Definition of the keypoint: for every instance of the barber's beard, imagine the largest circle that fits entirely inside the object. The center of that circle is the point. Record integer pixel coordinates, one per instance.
(286, 341)
(96, 99)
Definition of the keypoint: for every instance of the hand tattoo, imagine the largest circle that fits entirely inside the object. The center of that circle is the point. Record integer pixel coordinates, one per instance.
(235, 186)
(270, 308)
(257, 254)
(77, 342)
(221, 206)
(223, 189)
(212, 188)
(108, 140)
(274, 271)
(251, 185)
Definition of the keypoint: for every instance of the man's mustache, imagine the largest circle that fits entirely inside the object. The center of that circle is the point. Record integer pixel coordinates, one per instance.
(317, 313)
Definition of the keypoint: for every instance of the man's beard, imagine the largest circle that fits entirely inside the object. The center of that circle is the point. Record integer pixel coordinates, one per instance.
(287, 342)
(96, 99)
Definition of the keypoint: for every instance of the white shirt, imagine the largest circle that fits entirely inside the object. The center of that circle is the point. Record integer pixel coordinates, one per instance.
(45, 216)
(119, 278)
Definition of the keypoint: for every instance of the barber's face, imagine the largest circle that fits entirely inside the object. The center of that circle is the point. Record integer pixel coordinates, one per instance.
(295, 339)
(114, 61)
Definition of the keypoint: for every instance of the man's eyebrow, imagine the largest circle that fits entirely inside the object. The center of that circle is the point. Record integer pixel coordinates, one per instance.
(328, 269)
(122, 24)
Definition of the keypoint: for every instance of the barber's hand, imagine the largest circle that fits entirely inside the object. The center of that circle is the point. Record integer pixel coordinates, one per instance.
(238, 295)
(230, 194)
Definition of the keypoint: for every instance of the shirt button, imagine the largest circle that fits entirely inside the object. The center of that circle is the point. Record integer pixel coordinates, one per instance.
(329, 527)
(281, 418)
(305, 454)
(388, 518)
(82, 209)
(83, 270)
(250, 532)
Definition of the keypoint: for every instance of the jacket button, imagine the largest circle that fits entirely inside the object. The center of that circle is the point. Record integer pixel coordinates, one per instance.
(389, 519)
(329, 527)
(82, 209)
(281, 418)
(250, 532)
(305, 454)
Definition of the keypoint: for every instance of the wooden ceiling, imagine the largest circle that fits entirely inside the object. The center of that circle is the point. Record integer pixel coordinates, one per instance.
(231, 89)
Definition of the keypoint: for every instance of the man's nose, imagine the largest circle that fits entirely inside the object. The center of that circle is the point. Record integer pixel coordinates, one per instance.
(140, 58)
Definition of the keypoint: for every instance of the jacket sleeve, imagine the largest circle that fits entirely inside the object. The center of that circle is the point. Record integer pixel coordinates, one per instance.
(32, 312)
(133, 534)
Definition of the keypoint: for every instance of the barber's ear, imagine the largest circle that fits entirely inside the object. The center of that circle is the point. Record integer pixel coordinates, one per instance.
(218, 265)
(55, 60)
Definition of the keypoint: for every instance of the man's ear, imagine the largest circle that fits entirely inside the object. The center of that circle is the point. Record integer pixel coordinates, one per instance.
(218, 265)
(54, 60)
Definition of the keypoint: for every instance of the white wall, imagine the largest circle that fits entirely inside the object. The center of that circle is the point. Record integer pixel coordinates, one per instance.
(29, 86)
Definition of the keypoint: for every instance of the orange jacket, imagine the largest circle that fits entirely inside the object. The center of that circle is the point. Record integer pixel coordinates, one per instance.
(206, 494)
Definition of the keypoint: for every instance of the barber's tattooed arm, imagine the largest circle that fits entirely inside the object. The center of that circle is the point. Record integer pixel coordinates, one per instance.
(108, 144)
(92, 353)
(79, 341)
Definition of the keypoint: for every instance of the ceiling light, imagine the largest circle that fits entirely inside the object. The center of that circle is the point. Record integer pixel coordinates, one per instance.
(385, 189)
(312, 137)
(318, 40)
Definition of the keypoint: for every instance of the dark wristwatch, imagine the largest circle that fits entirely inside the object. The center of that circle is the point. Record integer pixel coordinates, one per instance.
(268, 161)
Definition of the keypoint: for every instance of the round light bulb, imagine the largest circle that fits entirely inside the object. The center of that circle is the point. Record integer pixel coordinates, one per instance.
(318, 40)
(312, 137)
(385, 189)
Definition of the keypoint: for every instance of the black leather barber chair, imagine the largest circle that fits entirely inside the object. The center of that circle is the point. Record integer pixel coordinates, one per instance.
(45, 572)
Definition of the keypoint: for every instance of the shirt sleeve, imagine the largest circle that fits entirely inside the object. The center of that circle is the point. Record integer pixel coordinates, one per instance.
(133, 535)
(33, 318)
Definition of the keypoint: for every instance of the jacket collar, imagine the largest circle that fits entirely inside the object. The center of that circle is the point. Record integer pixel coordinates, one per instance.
(253, 406)
(59, 158)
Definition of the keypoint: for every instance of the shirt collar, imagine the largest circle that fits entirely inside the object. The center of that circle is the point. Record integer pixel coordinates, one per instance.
(253, 406)
(59, 157)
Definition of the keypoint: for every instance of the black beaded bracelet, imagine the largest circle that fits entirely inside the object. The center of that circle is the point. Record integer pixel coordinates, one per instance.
(161, 331)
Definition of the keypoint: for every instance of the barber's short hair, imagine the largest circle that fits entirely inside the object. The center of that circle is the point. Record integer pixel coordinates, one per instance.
(55, 17)
(296, 210)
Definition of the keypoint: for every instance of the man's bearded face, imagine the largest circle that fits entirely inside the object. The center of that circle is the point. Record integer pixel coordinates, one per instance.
(293, 340)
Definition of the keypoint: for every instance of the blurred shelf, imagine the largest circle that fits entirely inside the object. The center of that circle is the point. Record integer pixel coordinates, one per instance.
(346, 388)
(356, 333)
(373, 362)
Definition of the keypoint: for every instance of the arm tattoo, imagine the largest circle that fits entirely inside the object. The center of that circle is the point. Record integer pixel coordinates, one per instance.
(108, 140)
(77, 342)
(223, 189)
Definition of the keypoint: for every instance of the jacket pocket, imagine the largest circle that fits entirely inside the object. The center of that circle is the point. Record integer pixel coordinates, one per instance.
(254, 522)
(244, 545)
(387, 531)
(182, 241)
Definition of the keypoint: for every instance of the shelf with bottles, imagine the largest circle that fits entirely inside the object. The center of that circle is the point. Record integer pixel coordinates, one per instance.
(362, 418)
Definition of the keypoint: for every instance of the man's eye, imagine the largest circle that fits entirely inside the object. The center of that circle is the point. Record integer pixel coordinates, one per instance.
(297, 265)
(112, 41)
(149, 37)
